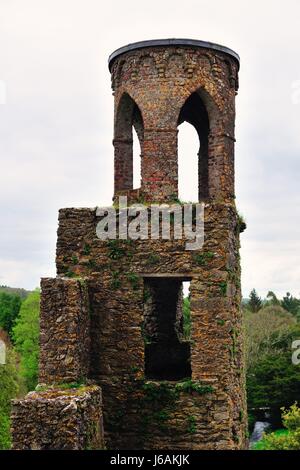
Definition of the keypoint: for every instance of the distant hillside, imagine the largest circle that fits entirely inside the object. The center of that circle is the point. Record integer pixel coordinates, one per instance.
(15, 290)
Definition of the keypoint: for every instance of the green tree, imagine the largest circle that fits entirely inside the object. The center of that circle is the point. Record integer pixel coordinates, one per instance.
(186, 311)
(264, 330)
(9, 309)
(291, 304)
(26, 338)
(254, 303)
(273, 380)
(8, 390)
(272, 299)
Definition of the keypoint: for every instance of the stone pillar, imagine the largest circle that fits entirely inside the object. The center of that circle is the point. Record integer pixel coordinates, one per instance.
(64, 331)
(123, 164)
(221, 166)
(65, 413)
(159, 165)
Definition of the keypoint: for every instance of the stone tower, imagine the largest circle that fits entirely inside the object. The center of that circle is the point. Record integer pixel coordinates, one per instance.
(112, 321)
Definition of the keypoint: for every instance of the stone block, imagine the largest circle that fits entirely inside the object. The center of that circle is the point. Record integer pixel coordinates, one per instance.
(57, 419)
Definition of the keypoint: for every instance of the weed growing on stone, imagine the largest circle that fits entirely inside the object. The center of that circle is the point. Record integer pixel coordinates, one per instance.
(203, 258)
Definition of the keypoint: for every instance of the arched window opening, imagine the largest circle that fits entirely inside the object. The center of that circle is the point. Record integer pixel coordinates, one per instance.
(193, 177)
(188, 147)
(128, 143)
(136, 160)
(138, 139)
(186, 311)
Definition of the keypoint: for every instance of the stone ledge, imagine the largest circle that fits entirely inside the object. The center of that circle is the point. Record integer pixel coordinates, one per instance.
(58, 419)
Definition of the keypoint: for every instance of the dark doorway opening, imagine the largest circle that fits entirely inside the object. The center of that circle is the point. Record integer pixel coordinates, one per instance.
(167, 349)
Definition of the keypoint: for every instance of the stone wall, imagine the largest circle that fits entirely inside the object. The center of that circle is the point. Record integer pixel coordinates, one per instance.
(56, 419)
(205, 411)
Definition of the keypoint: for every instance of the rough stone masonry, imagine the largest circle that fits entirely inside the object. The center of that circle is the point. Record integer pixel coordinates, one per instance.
(112, 320)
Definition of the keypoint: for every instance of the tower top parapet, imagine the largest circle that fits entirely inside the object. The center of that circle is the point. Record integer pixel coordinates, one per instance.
(157, 86)
(171, 42)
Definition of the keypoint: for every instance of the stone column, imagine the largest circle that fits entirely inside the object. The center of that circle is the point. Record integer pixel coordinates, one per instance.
(64, 331)
(159, 165)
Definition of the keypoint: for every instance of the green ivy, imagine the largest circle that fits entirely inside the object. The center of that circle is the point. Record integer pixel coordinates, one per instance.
(74, 259)
(161, 393)
(115, 250)
(191, 424)
(156, 402)
(223, 288)
(92, 264)
(190, 386)
(241, 225)
(234, 335)
(69, 273)
(86, 249)
(204, 258)
(153, 259)
(115, 282)
(133, 279)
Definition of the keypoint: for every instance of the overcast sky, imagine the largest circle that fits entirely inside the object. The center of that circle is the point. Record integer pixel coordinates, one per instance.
(56, 121)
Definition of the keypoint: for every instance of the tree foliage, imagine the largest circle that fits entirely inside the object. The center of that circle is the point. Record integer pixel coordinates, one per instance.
(9, 388)
(272, 379)
(291, 304)
(289, 440)
(272, 298)
(186, 311)
(9, 309)
(26, 338)
(264, 330)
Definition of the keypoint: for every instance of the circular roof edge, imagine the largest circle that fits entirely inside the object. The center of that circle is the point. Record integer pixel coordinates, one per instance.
(171, 42)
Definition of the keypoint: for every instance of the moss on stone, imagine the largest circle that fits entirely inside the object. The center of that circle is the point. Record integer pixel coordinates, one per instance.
(201, 259)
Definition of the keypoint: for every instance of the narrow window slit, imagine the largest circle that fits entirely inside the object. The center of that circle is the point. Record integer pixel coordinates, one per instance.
(166, 329)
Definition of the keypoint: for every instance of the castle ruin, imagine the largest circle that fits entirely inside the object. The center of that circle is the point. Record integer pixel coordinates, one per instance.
(117, 369)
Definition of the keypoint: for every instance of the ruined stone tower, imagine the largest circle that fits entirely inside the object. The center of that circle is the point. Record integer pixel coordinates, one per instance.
(112, 321)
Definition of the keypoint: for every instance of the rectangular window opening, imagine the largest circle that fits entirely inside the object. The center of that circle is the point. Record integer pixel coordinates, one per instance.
(167, 328)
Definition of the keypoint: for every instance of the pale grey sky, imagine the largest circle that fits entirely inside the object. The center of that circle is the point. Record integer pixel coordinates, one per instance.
(56, 125)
